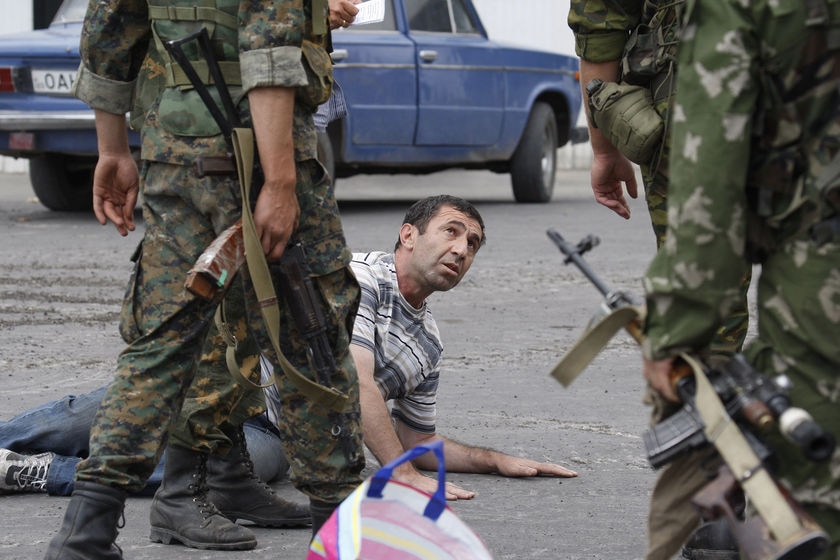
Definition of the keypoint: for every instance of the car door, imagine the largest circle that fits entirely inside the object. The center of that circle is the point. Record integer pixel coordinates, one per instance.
(374, 64)
(460, 83)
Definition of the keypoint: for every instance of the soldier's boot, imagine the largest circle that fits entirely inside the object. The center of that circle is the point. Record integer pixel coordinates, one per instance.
(711, 541)
(90, 527)
(321, 512)
(240, 494)
(182, 513)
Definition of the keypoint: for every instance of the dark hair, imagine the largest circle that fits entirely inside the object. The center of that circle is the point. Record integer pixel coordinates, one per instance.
(421, 213)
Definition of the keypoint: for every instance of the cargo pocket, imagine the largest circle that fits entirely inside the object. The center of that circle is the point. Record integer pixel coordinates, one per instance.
(128, 321)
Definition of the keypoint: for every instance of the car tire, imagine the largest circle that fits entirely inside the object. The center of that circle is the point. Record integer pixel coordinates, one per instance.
(534, 163)
(325, 155)
(63, 183)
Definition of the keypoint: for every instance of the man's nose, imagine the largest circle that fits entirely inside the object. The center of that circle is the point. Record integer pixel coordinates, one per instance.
(460, 246)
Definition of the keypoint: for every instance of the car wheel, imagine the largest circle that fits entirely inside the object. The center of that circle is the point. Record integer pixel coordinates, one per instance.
(325, 154)
(63, 183)
(534, 163)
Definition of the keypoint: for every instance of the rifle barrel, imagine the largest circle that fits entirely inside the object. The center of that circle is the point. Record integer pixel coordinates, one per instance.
(573, 255)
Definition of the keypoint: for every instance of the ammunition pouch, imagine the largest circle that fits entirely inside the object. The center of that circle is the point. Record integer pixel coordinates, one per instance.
(183, 113)
(625, 114)
(318, 66)
(639, 61)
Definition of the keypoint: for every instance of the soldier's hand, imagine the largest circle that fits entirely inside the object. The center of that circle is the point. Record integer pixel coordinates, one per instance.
(610, 173)
(276, 217)
(116, 184)
(342, 12)
(657, 373)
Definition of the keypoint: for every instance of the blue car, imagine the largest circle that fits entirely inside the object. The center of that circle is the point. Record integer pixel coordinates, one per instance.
(426, 90)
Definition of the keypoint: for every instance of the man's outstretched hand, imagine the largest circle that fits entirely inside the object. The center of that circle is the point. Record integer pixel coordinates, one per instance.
(519, 467)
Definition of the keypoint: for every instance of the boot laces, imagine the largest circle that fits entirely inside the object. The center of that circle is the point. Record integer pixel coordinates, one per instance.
(200, 489)
(248, 463)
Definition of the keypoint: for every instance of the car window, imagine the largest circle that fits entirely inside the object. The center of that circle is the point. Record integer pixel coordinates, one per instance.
(387, 24)
(439, 16)
(70, 11)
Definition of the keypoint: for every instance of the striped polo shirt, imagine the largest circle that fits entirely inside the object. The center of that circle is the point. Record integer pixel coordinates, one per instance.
(405, 342)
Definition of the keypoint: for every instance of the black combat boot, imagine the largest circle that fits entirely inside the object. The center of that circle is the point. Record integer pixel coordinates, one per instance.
(321, 512)
(181, 511)
(89, 529)
(240, 494)
(712, 541)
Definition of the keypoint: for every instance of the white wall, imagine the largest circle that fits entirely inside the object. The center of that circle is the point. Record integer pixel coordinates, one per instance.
(17, 15)
(533, 23)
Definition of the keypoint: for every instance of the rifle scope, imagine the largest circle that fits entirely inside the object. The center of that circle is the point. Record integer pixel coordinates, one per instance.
(753, 396)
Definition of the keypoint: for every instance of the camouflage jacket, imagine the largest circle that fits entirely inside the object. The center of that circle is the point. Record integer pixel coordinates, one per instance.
(642, 34)
(121, 63)
(601, 27)
(756, 124)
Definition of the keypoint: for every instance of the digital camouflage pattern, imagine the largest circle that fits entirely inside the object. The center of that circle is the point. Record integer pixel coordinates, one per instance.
(164, 326)
(755, 126)
(119, 53)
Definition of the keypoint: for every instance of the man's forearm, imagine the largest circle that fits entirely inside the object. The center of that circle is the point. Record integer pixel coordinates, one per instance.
(111, 133)
(461, 458)
(272, 111)
(607, 71)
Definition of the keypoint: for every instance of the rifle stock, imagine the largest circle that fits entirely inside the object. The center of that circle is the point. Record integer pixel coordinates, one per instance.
(754, 538)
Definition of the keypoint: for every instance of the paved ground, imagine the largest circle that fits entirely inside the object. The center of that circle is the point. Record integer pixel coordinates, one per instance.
(61, 282)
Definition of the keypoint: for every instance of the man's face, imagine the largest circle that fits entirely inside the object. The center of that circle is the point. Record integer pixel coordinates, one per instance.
(443, 254)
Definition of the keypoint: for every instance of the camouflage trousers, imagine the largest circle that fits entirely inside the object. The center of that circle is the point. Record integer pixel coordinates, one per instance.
(798, 326)
(166, 329)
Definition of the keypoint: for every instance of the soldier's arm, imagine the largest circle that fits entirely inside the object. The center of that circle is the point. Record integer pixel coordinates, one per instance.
(106, 81)
(277, 211)
(691, 287)
(601, 29)
(270, 38)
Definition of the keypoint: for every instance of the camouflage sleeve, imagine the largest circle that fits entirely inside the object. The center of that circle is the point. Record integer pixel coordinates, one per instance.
(694, 278)
(601, 27)
(270, 37)
(114, 41)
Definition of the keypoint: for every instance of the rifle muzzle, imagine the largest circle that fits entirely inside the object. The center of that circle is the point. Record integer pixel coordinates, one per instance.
(816, 443)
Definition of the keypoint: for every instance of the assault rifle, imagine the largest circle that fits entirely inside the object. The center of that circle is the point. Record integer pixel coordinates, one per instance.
(749, 397)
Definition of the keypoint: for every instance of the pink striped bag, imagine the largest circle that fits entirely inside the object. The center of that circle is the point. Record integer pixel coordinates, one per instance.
(387, 520)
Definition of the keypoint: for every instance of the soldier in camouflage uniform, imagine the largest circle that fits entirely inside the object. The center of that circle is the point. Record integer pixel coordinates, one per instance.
(634, 44)
(756, 179)
(260, 45)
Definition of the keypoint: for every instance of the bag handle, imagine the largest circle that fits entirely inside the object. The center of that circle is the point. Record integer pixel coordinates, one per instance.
(437, 503)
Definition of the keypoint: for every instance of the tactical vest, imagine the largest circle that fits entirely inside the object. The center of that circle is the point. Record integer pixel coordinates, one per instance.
(794, 183)
(633, 113)
(179, 108)
(649, 57)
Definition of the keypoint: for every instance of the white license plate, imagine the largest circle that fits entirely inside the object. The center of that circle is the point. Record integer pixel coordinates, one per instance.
(53, 81)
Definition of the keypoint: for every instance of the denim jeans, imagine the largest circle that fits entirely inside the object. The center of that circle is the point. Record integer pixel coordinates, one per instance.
(63, 427)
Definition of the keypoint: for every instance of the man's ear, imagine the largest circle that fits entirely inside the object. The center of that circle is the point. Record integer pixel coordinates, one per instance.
(408, 234)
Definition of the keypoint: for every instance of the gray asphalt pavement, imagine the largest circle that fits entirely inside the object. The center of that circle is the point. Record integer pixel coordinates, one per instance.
(504, 328)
